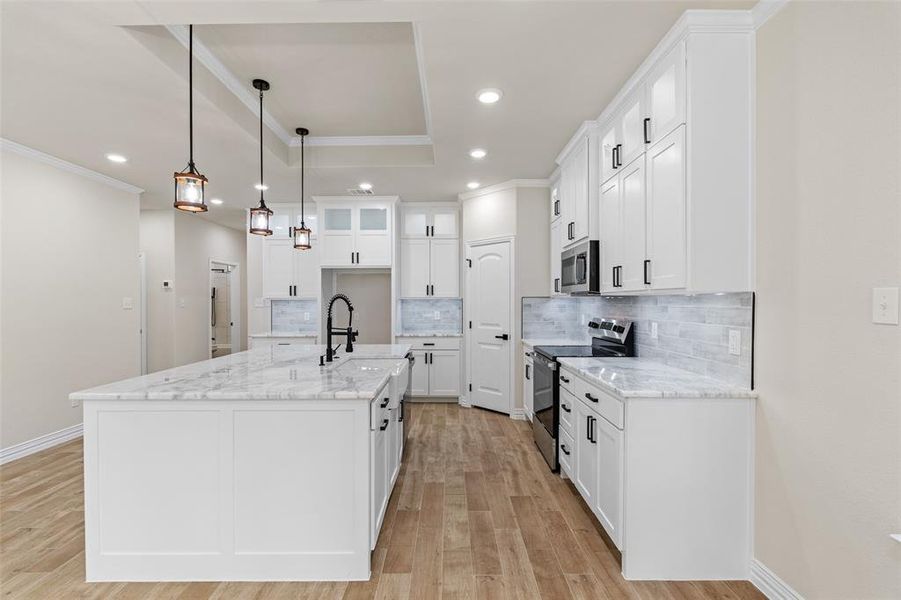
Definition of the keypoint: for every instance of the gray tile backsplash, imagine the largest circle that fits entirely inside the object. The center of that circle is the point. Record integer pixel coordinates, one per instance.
(417, 315)
(692, 331)
(290, 316)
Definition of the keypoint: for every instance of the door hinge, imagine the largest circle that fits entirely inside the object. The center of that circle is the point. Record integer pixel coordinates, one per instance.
(470, 387)
(469, 262)
(470, 324)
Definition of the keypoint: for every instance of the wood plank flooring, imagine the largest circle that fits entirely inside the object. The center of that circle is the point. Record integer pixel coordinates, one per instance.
(476, 514)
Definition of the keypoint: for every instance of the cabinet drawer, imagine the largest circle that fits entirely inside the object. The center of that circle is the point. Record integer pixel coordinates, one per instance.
(568, 381)
(435, 343)
(379, 412)
(567, 404)
(567, 453)
(600, 402)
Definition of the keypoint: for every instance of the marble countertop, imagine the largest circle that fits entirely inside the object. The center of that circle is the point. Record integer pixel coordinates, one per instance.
(284, 334)
(644, 378)
(532, 342)
(421, 334)
(274, 373)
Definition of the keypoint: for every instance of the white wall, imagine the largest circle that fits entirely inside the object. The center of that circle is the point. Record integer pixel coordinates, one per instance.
(69, 257)
(828, 231)
(157, 242)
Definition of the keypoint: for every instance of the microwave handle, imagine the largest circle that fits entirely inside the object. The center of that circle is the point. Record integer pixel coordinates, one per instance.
(581, 269)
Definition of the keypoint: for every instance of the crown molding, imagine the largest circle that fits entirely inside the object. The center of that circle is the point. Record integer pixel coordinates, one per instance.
(506, 185)
(585, 129)
(237, 87)
(363, 140)
(22, 150)
(764, 10)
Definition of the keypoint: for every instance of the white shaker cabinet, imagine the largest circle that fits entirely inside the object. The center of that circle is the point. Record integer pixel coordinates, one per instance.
(429, 252)
(437, 369)
(666, 235)
(586, 463)
(611, 211)
(356, 233)
(555, 249)
(444, 372)
(575, 190)
(631, 275)
(608, 442)
(421, 220)
(285, 217)
(415, 265)
(288, 272)
(527, 391)
(665, 94)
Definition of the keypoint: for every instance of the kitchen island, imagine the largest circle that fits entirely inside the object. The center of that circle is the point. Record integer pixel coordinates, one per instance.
(257, 466)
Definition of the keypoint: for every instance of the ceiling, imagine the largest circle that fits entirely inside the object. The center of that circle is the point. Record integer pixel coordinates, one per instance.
(388, 89)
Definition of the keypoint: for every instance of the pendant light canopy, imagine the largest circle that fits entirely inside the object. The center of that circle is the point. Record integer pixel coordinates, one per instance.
(189, 184)
(303, 237)
(259, 216)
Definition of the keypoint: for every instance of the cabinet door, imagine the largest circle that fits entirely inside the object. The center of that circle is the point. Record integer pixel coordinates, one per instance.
(609, 140)
(444, 269)
(306, 271)
(580, 191)
(608, 503)
(566, 206)
(337, 237)
(527, 395)
(632, 128)
(310, 219)
(415, 221)
(391, 448)
(280, 222)
(414, 265)
(555, 256)
(666, 244)
(444, 373)
(611, 231)
(373, 237)
(665, 91)
(278, 267)
(586, 466)
(420, 381)
(444, 222)
(379, 481)
(632, 192)
(555, 200)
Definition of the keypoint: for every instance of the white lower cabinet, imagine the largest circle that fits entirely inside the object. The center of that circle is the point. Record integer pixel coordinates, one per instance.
(608, 442)
(586, 471)
(436, 369)
(385, 446)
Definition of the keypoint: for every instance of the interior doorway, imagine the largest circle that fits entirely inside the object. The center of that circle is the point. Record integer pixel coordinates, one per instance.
(224, 308)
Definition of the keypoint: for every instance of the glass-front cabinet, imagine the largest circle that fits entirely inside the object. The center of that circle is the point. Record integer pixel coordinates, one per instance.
(355, 233)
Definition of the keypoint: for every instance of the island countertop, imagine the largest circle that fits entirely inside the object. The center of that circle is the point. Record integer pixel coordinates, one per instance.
(273, 373)
(643, 378)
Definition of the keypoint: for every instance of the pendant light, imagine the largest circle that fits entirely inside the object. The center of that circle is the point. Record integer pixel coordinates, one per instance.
(189, 183)
(302, 234)
(259, 216)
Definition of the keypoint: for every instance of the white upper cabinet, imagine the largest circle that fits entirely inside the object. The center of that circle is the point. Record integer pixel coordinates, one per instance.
(555, 200)
(632, 238)
(355, 233)
(575, 201)
(609, 144)
(631, 129)
(666, 94)
(611, 209)
(666, 249)
(444, 267)
(429, 221)
(555, 256)
(288, 272)
(414, 268)
(286, 216)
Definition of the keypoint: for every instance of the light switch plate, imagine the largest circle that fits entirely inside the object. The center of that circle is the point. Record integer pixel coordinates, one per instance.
(735, 342)
(127, 303)
(653, 330)
(306, 316)
(437, 315)
(885, 305)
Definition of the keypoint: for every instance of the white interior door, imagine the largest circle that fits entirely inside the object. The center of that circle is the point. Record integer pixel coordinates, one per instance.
(490, 292)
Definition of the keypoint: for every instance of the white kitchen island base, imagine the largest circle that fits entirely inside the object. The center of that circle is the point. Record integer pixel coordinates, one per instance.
(250, 489)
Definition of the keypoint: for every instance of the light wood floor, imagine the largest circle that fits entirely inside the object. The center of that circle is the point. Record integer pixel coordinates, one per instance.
(475, 514)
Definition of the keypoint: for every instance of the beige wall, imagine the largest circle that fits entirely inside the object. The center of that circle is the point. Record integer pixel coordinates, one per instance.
(69, 257)
(178, 246)
(371, 295)
(829, 230)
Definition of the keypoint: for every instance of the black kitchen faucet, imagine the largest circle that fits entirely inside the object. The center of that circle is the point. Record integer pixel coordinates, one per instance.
(348, 331)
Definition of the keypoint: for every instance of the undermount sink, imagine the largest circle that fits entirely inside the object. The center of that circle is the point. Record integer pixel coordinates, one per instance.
(367, 364)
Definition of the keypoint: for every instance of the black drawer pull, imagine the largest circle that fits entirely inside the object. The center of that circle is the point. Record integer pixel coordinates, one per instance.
(590, 397)
(564, 379)
(428, 343)
(565, 408)
(384, 425)
(565, 451)
(385, 403)
(647, 138)
(647, 276)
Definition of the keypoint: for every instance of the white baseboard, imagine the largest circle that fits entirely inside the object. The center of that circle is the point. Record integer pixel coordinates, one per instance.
(770, 584)
(518, 414)
(464, 403)
(40, 443)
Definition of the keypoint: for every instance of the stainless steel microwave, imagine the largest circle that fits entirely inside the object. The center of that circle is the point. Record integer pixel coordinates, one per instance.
(580, 269)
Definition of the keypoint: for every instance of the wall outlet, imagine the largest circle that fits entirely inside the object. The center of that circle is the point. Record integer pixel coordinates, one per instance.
(885, 305)
(437, 315)
(127, 303)
(653, 330)
(735, 342)
(306, 316)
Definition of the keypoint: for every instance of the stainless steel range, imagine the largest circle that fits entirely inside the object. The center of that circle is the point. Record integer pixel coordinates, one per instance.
(609, 338)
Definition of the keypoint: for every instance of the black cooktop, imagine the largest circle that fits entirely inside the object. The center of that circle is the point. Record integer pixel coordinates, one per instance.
(555, 352)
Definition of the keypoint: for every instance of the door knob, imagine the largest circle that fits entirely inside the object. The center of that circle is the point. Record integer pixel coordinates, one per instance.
(502, 337)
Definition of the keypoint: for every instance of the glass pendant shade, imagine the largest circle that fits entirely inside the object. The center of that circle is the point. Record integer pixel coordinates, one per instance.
(189, 188)
(259, 220)
(303, 237)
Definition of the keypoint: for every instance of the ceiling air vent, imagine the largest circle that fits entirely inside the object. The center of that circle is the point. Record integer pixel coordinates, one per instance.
(358, 192)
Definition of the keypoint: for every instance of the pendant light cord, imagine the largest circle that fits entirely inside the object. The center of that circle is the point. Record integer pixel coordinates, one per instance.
(261, 147)
(302, 152)
(191, 97)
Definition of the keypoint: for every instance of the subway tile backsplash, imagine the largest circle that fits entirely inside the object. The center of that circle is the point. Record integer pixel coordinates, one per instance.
(692, 331)
(290, 316)
(417, 315)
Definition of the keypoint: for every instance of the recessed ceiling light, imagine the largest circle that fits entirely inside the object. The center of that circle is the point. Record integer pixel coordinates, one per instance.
(472, 185)
(478, 153)
(260, 187)
(216, 200)
(116, 158)
(489, 95)
(365, 186)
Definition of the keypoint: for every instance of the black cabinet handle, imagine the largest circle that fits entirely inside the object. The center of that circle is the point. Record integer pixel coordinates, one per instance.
(647, 274)
(351, 258)
(590, 397)
(588, 428)
(358, 258)
(385, 403)
(432, 287)
(564, 379)
(384, 425)
(290, 232)
(613, 157)
(563, 448)
(433, 231)
(428, 343)
(647, 137)
(565, 408)
(556, 207)
(426, 289)
(503, 336)
(427, 231)
(430, 358)
(619, 155)
(556, 284)
(527, 372)
(594, 439)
